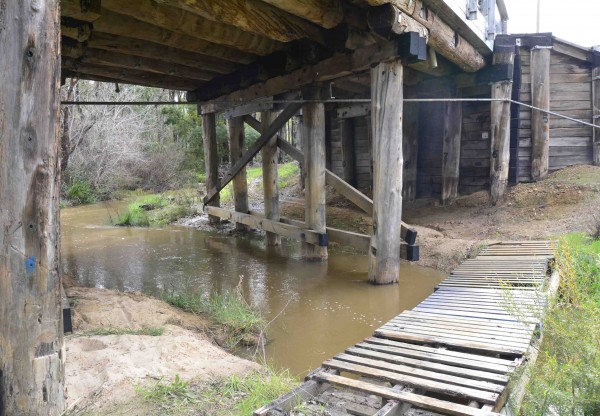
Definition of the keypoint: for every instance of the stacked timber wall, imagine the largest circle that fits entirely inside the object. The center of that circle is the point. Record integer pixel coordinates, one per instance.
(571, 95)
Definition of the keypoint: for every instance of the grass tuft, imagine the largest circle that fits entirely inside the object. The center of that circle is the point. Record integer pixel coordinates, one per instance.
(150, 331)
(159, 209)
(240, 322)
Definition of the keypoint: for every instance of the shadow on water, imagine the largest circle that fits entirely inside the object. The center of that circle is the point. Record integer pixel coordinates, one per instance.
(321, 308)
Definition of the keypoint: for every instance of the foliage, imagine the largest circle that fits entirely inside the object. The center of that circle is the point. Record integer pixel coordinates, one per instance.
(257, 389)
(236, 396)
(566, 378)
(159, 209)
(286, 176)
(239, 320)
(149, 331)
(80, 191)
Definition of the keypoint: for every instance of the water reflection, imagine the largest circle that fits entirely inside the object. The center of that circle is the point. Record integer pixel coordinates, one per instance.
(321, 308)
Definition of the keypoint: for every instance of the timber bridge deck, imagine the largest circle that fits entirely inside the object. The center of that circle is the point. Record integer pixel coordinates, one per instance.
(452, 354)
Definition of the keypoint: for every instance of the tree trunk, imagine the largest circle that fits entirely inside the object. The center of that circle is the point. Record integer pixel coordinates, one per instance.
(31, 339)
(386, 124)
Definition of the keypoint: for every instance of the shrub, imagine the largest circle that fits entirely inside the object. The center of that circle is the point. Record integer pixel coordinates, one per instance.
(81, 192)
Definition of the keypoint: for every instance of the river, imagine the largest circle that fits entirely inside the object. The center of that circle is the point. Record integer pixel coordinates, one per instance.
(318, 309)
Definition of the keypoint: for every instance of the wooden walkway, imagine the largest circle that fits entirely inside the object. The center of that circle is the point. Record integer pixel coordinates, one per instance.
(452, 354)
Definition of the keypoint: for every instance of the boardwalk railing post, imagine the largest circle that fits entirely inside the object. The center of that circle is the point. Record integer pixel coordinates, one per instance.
(386, 124)
(211, 159)
(500, 132)
(269, 164)
(235, 127)
(313, 146)
(540, 122)
(31, 328)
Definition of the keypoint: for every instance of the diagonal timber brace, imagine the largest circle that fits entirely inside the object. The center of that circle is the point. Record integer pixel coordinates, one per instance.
(354, 195)
(277, 124)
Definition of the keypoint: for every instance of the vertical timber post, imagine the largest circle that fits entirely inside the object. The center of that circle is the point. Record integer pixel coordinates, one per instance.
(410, 149)
(386, 125)
(500, 132)
(313, 146)
(596, 113)
(211, 158)
(347, 127)
(31, 327)
(540, 122)
(235, 129)
(451, 151)
(269, 165)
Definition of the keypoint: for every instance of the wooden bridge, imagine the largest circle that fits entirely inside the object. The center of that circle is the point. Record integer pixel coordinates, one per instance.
(453, 354)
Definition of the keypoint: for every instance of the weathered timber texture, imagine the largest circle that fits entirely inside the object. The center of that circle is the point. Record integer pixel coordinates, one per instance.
(269, 156)
(313, 145)
(253, 16)
(596, 114)
(181, 21)
(211, 159)
(451, 151)
(325, 13)
(540, 125)
(388, 20)
(235, 127)
(500, 133)
(121, 25)
(443, 38)
(410, 149)
(74, 9)
(386, 124)
(348, 163)
(31, 338)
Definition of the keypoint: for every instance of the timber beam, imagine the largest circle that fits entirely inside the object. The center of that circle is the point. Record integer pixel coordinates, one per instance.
(114, 59)
(442, 37)
(111, 23)
(193, 25)
(325, 13)
(596, 113)
(131, 76)
(362, 201)
(255, 17)
(269, 132)
(327, 70)
(276, 227)
(86, 11)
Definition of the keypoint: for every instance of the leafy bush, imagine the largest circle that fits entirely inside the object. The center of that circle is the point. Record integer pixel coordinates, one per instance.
(566, 378)
(158, 209)
(81, 192)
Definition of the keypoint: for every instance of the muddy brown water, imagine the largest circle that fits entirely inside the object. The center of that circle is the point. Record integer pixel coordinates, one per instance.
(317, 309)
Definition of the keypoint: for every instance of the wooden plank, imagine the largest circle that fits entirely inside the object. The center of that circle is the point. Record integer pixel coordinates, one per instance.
(474, 320)
(375, 352)
(467, 345)
(416, 400)
(416, 382)
(325, 13)
(348, 157)
(354, 110)
(442, 355)
(386, 115)
(283, 117)
(425, 374)
(540, 129)
(285, 230)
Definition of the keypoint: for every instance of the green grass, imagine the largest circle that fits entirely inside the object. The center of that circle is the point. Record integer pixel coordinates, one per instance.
(566, 377)
(81, 192)
(240, 321)
(150, 331)
(158, 209)
(235, 396)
